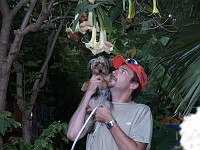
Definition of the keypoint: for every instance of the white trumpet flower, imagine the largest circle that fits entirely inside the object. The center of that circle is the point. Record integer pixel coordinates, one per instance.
(155, 9)
(93, 44)
(108, 46)
(99, 49)
(87, 25)
(102, 45)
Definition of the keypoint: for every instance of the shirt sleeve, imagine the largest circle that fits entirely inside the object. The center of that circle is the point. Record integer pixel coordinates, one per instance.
(141, 130)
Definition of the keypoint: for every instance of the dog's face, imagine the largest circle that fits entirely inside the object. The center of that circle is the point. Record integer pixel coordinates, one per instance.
(99, 66)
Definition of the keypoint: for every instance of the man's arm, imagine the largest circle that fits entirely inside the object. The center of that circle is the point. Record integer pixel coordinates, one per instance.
(124, 142)
(77, 120)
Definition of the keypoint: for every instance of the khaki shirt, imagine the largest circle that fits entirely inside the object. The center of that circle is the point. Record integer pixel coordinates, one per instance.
(134, 119)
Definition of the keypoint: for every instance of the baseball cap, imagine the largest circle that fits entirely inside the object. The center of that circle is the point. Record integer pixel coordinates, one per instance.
(138, 69)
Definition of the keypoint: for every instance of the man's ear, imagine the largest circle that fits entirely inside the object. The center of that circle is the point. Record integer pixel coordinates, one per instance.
(134, 85)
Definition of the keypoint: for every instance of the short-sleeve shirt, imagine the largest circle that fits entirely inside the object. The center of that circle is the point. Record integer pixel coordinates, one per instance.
(134, 119)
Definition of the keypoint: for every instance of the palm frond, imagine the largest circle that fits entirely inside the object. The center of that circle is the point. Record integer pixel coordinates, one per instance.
(182, 60)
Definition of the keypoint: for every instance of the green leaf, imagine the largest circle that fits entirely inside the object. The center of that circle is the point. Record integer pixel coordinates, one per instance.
(25, 146)
(107, 23)
(12, 147)
(4, 124)
(164, 40)
(80, 7)
(153, 40)
(6, 121)
(164, 140)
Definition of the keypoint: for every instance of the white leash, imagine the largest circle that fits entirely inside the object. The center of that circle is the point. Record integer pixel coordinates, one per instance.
(94, 135)
(77, 137)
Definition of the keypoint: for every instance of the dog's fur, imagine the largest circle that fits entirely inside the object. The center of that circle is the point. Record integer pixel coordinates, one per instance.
(99, 66)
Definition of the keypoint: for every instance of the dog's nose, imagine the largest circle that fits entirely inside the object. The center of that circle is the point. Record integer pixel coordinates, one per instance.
(100, 71)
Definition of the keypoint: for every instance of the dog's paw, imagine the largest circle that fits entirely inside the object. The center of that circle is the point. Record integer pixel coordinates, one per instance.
(85, 86)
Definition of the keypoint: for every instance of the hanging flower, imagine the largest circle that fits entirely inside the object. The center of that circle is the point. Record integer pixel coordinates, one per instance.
(102, 45)
(108, 46)
(91, 24)
(190, 131)
(131, 9)
(74, 36)
(155, 9)
(93, 44)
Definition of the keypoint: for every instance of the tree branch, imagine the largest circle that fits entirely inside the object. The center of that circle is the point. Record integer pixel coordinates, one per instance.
(15, 47)
(35, 27)
(19, 81)
(28, 14)
(162, 25)
(44, 4)
(19, 5)
(50, 39)
(45, 64)
(48, 26)
(4, 8)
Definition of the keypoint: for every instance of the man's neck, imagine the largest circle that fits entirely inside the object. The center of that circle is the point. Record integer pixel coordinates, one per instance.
(120, 97)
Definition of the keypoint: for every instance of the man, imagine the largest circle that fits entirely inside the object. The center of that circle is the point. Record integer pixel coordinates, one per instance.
(128, 126)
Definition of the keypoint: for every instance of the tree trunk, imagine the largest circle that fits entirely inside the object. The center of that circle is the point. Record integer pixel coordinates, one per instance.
(4, 78)
(7, 51)
(26, 129)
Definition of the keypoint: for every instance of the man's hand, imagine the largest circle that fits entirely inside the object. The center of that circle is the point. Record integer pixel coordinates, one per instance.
(95, 81)
(103, 114)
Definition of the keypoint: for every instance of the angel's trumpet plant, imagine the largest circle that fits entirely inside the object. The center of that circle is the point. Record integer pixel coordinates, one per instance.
(93, 44)
(108, 46)
(102, 45)
(155, 9)
(131, 9)
(87, 25)
(101, 39)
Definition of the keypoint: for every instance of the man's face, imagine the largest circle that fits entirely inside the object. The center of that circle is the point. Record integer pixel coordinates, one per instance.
(121, 77)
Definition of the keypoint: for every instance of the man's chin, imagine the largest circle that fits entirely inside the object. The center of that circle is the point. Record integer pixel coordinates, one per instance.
(111, 83)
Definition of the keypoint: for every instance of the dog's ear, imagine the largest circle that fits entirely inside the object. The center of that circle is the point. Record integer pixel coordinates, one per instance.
(108, 63)
(90, 63)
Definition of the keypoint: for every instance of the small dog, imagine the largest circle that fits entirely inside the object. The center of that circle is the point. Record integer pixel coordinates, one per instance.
(99, 66)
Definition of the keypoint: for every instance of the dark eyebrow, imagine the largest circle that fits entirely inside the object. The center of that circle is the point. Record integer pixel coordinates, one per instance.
(125, 69)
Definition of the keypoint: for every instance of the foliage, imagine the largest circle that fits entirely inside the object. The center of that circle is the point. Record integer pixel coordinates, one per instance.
(46, 141)
(184, 84)
(7, 122)
(163, 139)
(169, 39)
(157, 38)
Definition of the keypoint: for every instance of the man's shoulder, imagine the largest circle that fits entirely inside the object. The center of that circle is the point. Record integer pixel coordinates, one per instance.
(142, 106)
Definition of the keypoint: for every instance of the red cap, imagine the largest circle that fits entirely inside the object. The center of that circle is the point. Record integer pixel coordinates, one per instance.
(139, 70)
